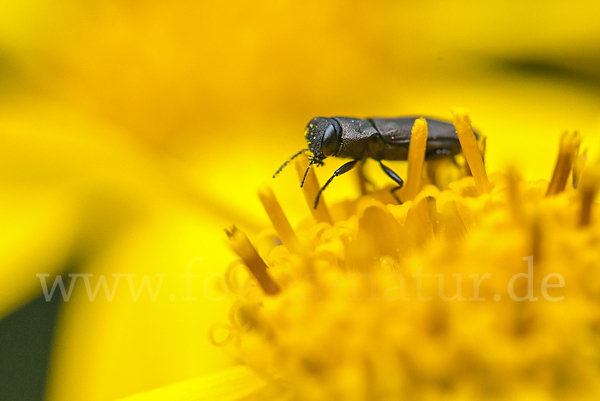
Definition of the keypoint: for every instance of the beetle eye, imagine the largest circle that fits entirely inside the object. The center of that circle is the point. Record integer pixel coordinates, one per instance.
(331, 141)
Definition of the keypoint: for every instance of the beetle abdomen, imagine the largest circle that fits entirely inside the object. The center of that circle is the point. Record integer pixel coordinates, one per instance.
(442, 139)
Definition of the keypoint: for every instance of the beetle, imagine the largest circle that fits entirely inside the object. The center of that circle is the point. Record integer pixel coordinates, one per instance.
(375, 138)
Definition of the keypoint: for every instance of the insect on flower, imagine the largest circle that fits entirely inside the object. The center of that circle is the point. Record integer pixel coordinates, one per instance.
(375, 138)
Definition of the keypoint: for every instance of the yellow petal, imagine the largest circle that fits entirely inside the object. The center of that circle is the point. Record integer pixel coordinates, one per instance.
(239, 383)
(38, 234)
(149, 325)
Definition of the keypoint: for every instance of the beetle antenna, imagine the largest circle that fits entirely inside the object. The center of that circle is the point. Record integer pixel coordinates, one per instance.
(312, 159)
(289, 160)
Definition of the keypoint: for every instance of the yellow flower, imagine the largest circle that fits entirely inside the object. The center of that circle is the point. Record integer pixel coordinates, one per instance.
(485, 290)
(132, 132)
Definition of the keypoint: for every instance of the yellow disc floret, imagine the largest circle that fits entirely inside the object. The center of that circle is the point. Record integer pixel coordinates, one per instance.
(487, 290)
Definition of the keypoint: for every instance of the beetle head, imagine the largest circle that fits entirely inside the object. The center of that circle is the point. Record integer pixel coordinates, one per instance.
(324, 137)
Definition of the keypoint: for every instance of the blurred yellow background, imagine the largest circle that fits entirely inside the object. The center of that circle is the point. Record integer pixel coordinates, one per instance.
(133, 132)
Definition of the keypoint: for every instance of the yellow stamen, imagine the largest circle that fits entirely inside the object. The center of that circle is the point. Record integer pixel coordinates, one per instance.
(416, 157)
(311, 189)
(242, 246)
(569, 146)
(578, 166)
(590, 181)
(482, 144)
(278, 219)
(462, 123)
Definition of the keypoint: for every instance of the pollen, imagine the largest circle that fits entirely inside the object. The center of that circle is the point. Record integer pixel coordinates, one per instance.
(483, 289)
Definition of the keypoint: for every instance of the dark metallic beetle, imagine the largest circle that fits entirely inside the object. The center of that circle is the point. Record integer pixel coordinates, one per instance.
(377, 138)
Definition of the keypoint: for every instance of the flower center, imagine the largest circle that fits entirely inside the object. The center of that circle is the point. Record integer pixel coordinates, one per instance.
(484, 288)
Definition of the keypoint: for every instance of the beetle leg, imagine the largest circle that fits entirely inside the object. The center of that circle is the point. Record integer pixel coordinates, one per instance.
(394, 177)
(344, 169)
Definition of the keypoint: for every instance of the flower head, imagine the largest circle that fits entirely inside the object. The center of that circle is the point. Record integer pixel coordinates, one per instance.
(484, 289)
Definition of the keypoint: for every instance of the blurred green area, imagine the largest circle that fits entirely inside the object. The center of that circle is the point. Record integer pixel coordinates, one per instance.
(26, 337)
